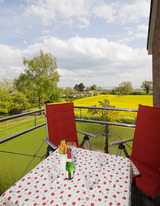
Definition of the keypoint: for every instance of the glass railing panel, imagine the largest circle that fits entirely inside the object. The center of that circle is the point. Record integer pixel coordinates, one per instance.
(118, 133)
(97, 143)
(17, 156)
(13, 126)
(13, 166)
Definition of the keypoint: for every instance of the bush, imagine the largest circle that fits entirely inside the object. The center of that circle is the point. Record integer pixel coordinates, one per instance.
(88, 117)
(138, 92)
(127, 120)
(18, 103)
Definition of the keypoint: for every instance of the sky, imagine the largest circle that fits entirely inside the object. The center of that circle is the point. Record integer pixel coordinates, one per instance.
(101, 42)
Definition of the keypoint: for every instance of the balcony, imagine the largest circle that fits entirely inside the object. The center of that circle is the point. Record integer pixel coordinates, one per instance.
(22, 146)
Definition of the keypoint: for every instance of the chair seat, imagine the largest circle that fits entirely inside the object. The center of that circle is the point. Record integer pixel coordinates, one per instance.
(148, 180)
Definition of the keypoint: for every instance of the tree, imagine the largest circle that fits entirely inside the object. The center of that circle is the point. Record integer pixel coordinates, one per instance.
(100, 89)
(124, 88)
(105, 115)
(4, 101)
(11, 101)
(76, 87)
(18, 103)
(93, 87)
(147, 86)
(56, 95)
(69, 93)
(79, 87)
(88, 89)
(7, 85)
(24, 84)
(40, 78)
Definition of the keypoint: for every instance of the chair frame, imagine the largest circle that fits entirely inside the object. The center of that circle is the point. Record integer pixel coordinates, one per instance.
(121, 146)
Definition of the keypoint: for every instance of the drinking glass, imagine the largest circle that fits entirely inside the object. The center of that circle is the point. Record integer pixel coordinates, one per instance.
(91, 180)
(53, 173)
(71, 144)
(101, 161)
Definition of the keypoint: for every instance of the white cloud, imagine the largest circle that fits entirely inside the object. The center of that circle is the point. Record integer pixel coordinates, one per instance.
(9, 54)
(83, 10)
(82, 56)
(87, 60)
(85, 22)
(143, 28)
(134, 33)
(106, 11)
(122, 12)
(133, 12)
(11, 64)
(53, 9)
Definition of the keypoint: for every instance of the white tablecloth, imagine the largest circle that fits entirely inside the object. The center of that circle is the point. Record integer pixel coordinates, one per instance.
(99, 179)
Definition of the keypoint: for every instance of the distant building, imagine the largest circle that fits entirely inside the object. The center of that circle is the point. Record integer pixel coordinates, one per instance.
(153, 47)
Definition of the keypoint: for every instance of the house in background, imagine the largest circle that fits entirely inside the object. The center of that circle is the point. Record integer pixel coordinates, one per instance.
(153, 47)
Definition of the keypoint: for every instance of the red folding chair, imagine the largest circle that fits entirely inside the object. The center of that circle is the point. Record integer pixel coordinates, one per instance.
(146, 151)
(60, 123)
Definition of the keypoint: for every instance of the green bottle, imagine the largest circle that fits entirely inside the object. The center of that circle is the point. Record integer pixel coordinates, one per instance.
(69, 165)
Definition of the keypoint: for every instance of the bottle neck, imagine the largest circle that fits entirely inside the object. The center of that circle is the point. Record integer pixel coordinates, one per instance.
(68, 153)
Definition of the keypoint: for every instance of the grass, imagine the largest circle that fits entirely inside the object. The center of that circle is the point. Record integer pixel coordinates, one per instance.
(14, 126)
(13, 165)
(116, 133)
(96, 143)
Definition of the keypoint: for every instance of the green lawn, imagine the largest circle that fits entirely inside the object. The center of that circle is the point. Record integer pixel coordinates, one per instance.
(13, 165)
(98, 143)
(17, 125)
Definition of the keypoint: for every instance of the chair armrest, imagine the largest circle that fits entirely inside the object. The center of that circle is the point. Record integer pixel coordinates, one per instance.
(88, 134)
(53, 146)
(120, 142)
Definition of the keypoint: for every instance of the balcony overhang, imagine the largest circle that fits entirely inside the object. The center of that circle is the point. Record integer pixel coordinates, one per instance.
(151, 26)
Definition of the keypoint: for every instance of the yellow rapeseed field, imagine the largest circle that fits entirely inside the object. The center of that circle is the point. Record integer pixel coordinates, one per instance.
(119, 101)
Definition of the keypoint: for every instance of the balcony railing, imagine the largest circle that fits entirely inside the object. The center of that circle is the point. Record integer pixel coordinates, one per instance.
(22, 146)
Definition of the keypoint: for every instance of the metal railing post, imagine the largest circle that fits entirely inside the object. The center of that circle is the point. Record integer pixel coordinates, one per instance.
(35, 119)
(80, 113)
(106, 139)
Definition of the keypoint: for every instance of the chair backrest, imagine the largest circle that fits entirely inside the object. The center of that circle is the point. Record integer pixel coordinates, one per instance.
(60, 122)
(146, 142)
